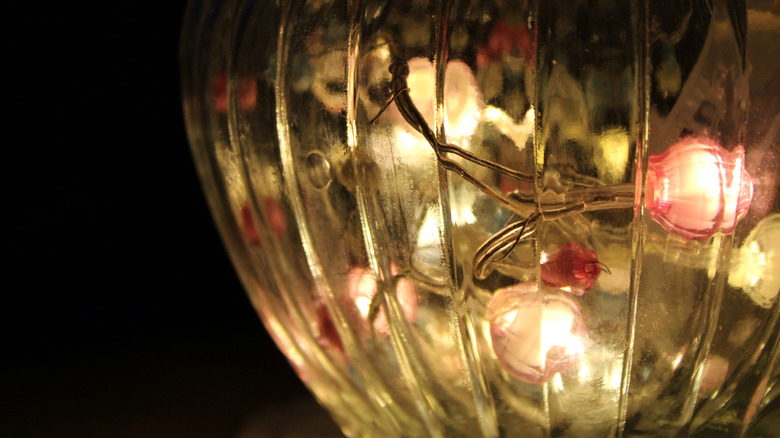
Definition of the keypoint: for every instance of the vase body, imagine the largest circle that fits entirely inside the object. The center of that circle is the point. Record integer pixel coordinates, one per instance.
(357, 247)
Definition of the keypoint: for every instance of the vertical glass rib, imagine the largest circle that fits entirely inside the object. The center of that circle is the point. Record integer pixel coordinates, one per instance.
(379, 398)
(543, 24)
(399, 336)
(589, 134)
(715, 295)
(642, 85)
(372, 219)
(464, 334)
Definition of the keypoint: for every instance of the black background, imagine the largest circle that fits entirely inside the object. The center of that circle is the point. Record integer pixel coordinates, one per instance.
(122, 314)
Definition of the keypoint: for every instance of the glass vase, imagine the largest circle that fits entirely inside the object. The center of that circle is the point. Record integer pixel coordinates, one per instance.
(483, 219)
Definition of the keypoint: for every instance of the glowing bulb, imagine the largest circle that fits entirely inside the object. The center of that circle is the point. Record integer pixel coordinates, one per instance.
(716, 369)
(360, 294)
(246, 88)
(463, 101)
(274, 213)
(754, 266)
(696, 188)
(535, 335)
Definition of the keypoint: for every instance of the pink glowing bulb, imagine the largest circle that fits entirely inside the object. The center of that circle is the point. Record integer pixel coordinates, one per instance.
(246, 88)
(696, 188)
(535, 335)
(362, 287)
(275, 216)
(572, 267)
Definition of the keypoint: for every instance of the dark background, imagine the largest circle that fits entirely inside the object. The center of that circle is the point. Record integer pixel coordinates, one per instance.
(122, 314)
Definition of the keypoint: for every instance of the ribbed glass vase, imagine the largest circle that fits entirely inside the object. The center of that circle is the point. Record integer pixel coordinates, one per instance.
(490, 218)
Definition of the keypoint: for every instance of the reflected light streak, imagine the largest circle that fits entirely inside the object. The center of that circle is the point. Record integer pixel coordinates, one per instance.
(584, 372)
(517, 132)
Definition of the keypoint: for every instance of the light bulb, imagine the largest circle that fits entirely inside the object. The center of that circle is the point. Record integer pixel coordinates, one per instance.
(535, 335)
(360, 294)
(246, 88)
(274, 214)
(697, 188)
(572, 267)
(754, 266)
